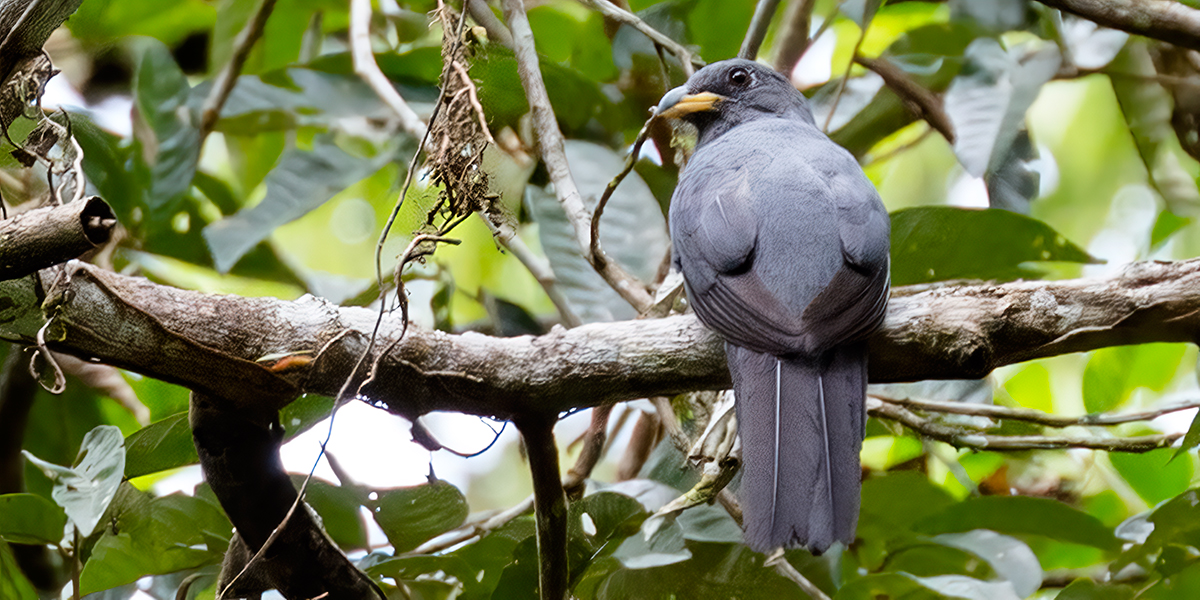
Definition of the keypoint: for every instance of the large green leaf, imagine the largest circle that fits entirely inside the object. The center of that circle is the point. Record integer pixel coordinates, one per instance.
(988, 100)
(412, 515)
(338, 507)
(13, 583)
(493, 553)
(1086, 589)
(168, 140)
(30, 519)
(910, 587)
(85, 490)
(1009, 557)
(102, 21)
(1020, 515)
(1147, 108)
(150, 536)
(939, 243)
(633, 232)
(303, 180)
(162, 445)
(1113, 374)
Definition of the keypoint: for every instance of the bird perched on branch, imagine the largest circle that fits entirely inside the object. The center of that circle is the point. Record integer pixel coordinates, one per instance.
(783, 245)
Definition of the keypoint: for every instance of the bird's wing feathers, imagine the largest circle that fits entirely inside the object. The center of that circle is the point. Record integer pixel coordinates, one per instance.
(781, 252)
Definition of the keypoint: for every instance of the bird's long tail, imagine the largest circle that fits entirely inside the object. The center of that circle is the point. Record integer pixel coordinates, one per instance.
(801, 423)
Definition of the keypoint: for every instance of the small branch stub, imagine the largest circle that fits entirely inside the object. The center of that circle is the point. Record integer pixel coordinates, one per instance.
(48, 236)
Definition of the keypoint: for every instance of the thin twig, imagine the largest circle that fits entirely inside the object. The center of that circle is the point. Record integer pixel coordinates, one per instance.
(594, 445)
(687, 59)
(537, 266)
(922, 102)
(978, 441)
(598, 258)
(781, 565)
(227, 78)
(757, 32)
(845, 79)
(550, 145)
(1036, 416)
(366, 68)
(474, 98)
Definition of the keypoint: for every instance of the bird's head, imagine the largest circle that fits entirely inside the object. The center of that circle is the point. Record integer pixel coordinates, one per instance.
(727, 93)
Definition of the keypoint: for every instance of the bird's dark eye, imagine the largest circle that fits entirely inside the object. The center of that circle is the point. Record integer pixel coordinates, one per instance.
(739, 77)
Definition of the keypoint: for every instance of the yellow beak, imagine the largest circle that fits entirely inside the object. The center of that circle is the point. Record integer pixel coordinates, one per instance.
(678, 103)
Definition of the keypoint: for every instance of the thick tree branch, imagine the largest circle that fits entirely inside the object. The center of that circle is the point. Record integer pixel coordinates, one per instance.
(1164, 20)
(47, 236)
(26, 24)
(946, 332)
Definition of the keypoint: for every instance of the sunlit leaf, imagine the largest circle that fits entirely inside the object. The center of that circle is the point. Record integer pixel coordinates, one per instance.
(412, 515)
(939, 243)
(1113, 374)
(303, 180)
(987, 101)
(1009, 557)
(150, 536)
(85, 489)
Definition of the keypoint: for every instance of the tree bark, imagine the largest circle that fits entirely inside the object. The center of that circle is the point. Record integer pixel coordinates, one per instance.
(247, 348)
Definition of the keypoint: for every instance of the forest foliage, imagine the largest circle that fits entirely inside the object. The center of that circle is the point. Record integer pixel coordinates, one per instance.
(1066, 160)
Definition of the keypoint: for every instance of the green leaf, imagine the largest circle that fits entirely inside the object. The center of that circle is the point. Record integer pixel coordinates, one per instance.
(13, 583)
(1086, 589)
(85, 490)
(1191, 439)
(30, 519)
(338, 507)
(665, 546)
(910, 587)
(1113, 374)
(715, 572)
(1153, 475)
(939, 243)
(409, 568)
(99, 23)
(632, 231)
(20, 308)
(1020, 515)
(413, 515)
(901, 499)
(1147, 109)
(1009, 557)
(167, 140)
(162, 445)
(987, 101)
(492, 554)
(303, 180)
(709, 23)
(151, 536)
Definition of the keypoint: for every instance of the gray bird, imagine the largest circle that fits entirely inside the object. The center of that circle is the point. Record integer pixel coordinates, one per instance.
(783, 245)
